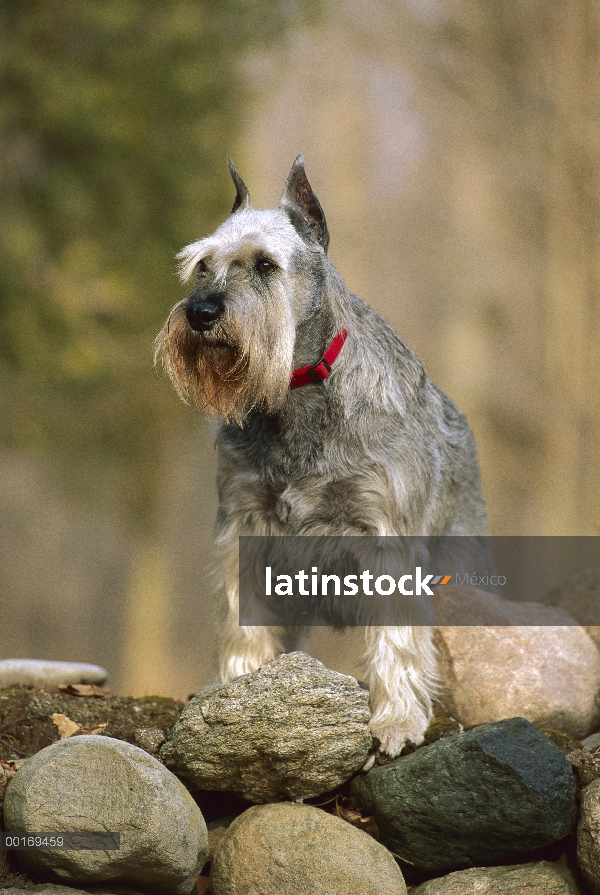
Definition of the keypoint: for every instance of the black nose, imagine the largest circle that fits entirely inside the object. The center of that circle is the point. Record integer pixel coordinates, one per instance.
(201, 315)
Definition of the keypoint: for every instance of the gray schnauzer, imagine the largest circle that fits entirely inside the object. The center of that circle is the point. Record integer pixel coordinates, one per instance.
(329, 426)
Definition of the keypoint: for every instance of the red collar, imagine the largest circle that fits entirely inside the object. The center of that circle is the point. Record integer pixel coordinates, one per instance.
(315, 373)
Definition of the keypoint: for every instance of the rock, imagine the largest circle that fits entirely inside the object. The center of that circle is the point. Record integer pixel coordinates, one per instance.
(592, 743)
(291, 849)
(216, 830)
(586, 766)
(292, 729)
(540, 878)
(471, 607)
(39, 673)
(149, 738)
(96, 783)
(481, 797)
(593, 632)
(588, 836)
(548, 673)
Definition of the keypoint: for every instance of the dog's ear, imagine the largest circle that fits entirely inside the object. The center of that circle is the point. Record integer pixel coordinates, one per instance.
(302, 206)
(242, 196)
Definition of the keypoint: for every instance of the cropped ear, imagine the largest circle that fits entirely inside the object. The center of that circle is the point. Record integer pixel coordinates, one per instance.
(242, 197)
(302, 206)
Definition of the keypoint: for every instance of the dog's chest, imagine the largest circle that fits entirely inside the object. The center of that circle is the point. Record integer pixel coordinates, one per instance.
(310, 506)
(270, 489)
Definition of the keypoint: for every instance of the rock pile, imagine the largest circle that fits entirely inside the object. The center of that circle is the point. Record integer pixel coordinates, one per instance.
(469, 812)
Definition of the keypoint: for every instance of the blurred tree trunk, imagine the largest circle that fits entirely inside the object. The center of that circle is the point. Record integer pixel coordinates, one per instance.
(148, 645)
(571, 324)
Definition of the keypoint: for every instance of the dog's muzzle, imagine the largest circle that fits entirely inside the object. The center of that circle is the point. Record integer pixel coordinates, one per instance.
(201, 313)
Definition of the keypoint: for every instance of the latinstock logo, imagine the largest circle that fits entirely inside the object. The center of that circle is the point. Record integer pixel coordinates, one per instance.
(385, 585)
(482, 581)
(392, 580)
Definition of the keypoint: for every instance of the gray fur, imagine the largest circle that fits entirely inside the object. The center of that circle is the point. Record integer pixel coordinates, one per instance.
(376, 449)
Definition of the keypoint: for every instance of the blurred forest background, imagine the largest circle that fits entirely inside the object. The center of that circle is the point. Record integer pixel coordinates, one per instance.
(455, 148)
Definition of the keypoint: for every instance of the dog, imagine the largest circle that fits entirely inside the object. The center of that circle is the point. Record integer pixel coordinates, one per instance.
(329, 426)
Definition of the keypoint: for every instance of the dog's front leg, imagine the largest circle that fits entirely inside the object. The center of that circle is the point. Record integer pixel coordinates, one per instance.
(243, 648)
(401, 671)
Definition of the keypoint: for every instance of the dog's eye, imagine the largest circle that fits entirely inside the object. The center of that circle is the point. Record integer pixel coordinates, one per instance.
(201, 266)
(263, 265)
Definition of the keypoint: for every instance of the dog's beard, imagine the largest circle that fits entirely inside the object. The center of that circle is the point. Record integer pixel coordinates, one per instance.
(240, 364)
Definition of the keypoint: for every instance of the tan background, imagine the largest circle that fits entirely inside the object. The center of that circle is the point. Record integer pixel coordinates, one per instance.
(455, 150)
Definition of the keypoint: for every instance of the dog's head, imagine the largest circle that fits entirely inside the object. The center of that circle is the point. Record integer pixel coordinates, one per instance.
(229, 345)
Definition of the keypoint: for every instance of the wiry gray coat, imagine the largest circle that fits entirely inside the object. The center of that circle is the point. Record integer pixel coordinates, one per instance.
(377, 449)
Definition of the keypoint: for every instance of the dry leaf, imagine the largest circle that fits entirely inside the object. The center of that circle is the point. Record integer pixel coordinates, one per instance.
(84, 690)
(345, 809)
(96, 729)
(66, 727)
(347, 813)
(7, 772)
(12, 764)
(202, 885)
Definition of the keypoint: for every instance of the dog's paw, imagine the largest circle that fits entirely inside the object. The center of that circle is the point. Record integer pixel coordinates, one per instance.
(394, 736)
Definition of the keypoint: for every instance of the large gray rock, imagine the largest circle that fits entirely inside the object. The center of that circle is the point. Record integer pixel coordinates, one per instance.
(291, 849)
(539, 878)
(39, 673)
(94, 783)
(481, 797)
(291, 729)
(523, 660)
(588, 836)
